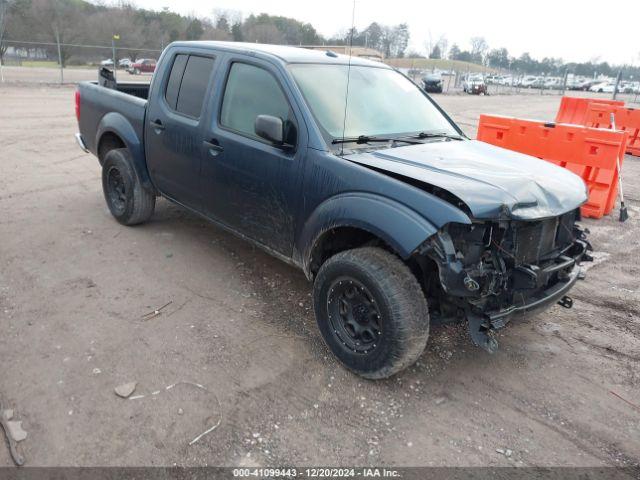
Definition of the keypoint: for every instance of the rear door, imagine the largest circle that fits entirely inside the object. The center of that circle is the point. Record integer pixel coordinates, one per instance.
(248, 183)
(174, 126)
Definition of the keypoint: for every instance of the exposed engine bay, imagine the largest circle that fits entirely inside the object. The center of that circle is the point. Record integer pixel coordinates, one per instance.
(492, 271)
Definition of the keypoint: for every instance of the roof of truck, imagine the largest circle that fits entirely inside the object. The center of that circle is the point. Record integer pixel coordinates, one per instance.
(285, 53)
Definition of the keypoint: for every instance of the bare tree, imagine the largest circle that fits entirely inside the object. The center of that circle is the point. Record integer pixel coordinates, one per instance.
(443, 44)
(479, 47)
(5, 6)
(58, 21)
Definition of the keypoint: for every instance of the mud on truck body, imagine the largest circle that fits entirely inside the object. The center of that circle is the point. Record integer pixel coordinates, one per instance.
(397, 218)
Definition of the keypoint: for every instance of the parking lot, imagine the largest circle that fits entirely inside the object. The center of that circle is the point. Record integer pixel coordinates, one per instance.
(234, 347)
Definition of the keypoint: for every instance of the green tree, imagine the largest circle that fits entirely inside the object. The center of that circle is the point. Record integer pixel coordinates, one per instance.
(222, 23)
(498, 58)
(236, 32)
(454, 52)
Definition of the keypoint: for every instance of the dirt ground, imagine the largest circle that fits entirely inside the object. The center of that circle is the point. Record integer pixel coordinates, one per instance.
(75, 287)
(49, 75)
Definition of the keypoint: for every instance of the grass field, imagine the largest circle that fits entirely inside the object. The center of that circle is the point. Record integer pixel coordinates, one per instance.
(39, 63)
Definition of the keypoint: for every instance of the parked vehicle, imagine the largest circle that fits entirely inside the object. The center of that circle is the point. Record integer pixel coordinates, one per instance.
(625, 87)
(106, 63)
(553, 83)
(585, 84)
(396, 217)
(475, 85)
(142, 65)
(531, 82)
(125, 62)
(600, 87)
(432, 83)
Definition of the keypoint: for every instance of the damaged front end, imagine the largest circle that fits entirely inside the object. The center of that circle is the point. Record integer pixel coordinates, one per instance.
(493, 271)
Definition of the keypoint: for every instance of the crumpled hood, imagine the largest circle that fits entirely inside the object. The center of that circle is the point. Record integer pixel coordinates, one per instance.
(490, 180)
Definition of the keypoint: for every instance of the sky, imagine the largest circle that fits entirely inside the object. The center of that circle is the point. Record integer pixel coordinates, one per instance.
(572, 30)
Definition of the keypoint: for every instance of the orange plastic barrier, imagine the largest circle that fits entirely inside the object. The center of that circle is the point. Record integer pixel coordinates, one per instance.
(597, 112)
(627, 119)
(590, 153)
(574, 110)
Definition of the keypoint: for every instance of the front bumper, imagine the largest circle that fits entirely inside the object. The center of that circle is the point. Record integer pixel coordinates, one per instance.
(493, 274)
(539, 302)
(433, 87)
(482, 326)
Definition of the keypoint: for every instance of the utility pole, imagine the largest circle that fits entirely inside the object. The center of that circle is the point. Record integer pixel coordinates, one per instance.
(4, 8)
(57, 33)
(113, 53)
(615, 87)
(564, 80)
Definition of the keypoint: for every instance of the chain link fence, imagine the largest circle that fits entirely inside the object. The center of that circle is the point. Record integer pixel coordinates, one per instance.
(67, 63)
(457, 81)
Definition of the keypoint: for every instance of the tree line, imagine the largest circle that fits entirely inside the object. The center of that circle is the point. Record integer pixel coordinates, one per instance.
(500, 58)
(78, 22)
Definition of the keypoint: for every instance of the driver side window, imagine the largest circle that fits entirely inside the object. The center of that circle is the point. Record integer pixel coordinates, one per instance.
(253, 91)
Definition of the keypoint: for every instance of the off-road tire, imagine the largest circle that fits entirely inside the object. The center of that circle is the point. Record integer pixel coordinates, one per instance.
(127, 200)
(397, 296)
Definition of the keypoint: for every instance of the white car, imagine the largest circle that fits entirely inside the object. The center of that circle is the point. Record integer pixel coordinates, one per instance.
(626, 87)
(124, 62)
(506, 81)
(106, 63)
(530, 81)
(604, 87)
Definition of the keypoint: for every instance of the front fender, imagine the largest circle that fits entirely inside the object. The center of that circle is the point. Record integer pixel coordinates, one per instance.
(118, 124)
(400, 227)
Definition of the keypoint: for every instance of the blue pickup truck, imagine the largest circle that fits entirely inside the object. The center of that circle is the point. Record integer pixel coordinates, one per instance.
(346, 169)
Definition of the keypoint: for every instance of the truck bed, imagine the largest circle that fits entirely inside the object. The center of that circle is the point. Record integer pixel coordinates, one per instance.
(136, 89)
(100, 106)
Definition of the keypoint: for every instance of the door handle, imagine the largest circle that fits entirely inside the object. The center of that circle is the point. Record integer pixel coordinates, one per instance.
(157, 124)
(214, 147)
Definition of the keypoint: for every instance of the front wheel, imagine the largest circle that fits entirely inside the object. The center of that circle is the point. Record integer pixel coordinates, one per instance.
(371, 311)
(127, 200)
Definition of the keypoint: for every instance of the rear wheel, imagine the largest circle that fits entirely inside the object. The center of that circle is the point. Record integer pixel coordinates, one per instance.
(371, 311)
(127, 200)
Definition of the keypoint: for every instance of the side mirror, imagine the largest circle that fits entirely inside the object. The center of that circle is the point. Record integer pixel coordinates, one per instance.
(270, 128)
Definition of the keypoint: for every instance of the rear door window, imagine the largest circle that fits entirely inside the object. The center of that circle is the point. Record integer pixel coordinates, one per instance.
(175, 77)
(193, 87)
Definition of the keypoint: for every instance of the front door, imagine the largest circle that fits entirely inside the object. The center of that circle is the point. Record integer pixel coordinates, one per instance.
(248, 183)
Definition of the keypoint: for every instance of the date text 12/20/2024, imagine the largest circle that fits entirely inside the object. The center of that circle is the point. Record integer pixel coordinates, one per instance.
(367, 472)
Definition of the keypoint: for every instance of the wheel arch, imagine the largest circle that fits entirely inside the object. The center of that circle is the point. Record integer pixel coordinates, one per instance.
(355, 219)
(116, 131)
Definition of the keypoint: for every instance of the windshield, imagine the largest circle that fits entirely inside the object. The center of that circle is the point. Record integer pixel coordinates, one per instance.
(381, 101)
